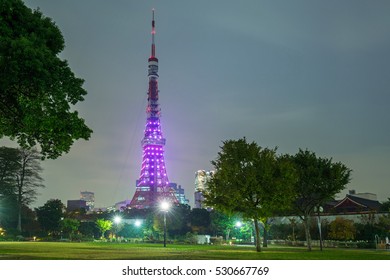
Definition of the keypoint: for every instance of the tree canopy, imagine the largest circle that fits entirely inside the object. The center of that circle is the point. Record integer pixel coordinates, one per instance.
(69, 226)
(103, 225)
(50, 215)
(9, 167)
(319, 180)
(251, 181)
(385, 206)
(37, 88)
(342, 229)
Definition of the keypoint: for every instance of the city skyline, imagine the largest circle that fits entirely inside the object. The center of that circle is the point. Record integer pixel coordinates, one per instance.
(308, 74)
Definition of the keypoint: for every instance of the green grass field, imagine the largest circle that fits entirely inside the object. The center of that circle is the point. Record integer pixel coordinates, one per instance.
(121, 251)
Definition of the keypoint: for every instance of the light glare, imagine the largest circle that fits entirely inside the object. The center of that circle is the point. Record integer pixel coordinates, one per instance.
(165, 206)
(117, 219)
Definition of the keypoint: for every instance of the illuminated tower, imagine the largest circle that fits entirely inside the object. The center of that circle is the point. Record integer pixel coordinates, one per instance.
(153, 185)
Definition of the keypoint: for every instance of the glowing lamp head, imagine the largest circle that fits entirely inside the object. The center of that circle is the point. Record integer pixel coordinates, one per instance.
(117, 219)
(165, 206)
(238, 224)
(138, 223)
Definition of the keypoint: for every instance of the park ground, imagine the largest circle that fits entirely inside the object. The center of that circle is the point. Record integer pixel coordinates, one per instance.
(123, 251)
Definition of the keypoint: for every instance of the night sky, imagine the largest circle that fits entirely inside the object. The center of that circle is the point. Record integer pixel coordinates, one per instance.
(293, 74)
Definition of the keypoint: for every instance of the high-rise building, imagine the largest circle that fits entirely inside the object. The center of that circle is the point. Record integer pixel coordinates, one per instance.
(89, 198)
(153, 185)
(73, 205)
(202, 177)
(179, 193)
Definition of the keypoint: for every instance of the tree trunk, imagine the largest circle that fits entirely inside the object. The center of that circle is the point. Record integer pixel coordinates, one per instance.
(306, 223)
(20, 191)
(265, 238)
(19, 226)
(257, 232)
(20, 198)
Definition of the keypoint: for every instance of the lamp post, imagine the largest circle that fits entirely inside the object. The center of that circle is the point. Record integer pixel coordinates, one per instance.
(117, 221)
(319, 210)
(164, 206)
(238, 225)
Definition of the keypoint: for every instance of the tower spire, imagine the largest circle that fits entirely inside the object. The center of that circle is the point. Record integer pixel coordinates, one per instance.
(153, 54)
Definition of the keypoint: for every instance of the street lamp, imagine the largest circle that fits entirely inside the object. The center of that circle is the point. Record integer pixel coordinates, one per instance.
(117, 221)
(138, 223)
(164, 206)
(319, 210)
(238, 225)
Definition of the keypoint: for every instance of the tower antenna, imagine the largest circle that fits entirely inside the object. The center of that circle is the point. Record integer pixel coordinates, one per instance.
(153, 33)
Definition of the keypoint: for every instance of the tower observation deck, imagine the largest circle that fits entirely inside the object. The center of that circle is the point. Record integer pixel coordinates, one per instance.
(153, 184)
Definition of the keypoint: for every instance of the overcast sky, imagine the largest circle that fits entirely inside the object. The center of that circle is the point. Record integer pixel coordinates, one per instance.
(294, 74)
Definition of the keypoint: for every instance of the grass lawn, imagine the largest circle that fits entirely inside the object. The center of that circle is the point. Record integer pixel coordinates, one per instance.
(121, 251)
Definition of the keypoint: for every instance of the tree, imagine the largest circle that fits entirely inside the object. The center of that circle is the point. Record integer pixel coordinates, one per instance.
(384, 225)
(50, 215)
(319, 180)
(199, 220)
(266, 226)
(103, 225)
(69, 226)
(20, 169)
(342, 229)
(8, 212)
(29, 221)
(250, 181)
(9, 166)
(222, 224)
(178, 220)
(366, 227)
(88, 229)
(37, 88)
(28, 180)
(385, 206)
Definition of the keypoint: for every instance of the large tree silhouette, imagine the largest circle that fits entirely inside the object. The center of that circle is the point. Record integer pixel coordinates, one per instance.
(251, 181)
(37, 88)
(20, 177)
(319, 180)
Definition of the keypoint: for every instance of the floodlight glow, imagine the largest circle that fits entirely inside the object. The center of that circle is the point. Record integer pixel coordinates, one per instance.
(238, 224)
(138, 223)
(165, 206)
(117, 219)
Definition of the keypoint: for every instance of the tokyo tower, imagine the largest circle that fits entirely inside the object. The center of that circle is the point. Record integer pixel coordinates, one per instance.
(153, 184)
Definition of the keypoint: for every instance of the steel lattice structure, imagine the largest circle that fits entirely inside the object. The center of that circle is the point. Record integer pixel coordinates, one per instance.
(153, 184)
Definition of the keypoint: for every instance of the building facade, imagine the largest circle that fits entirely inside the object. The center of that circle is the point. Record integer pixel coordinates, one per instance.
(179, 193)
(74, 205)
(89, 198)
(202, 177)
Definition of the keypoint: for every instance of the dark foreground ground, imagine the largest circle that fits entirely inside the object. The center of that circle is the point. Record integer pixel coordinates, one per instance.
(121, 251)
